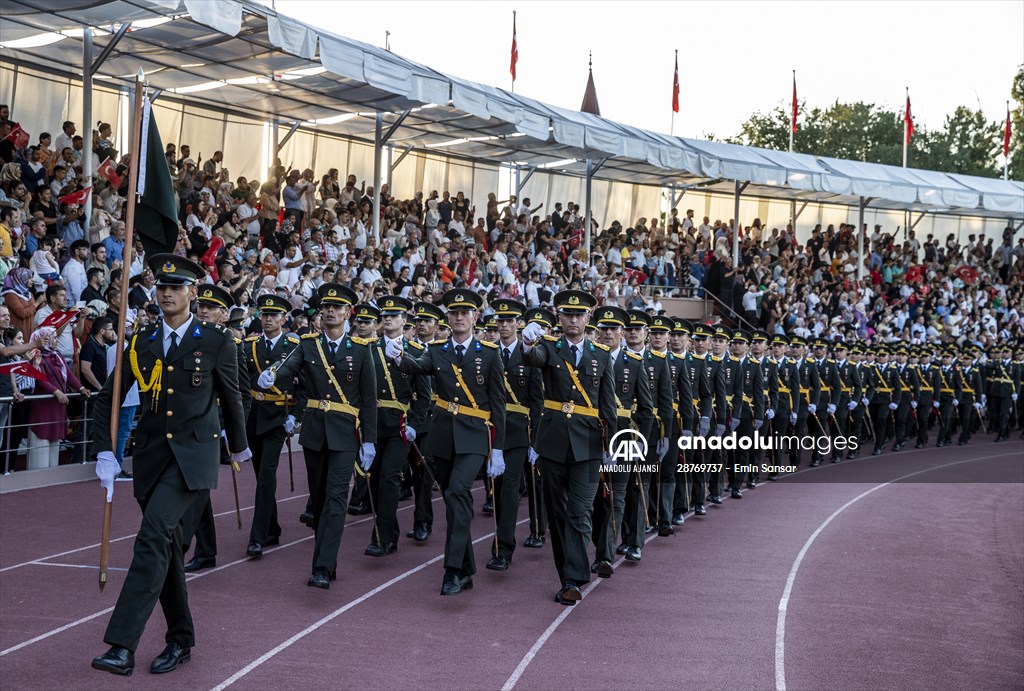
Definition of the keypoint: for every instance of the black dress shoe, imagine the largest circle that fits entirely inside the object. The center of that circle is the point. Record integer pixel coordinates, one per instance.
(700, 510)
(254, 550)
(961, 443)
(736, 494)
(751, 485)
(648, 529)
(815, 463)
(876, 452)
(405, 494)
(633, 554)
(569, 595)
(200, 563)
(452, 583)
(306, 518)
(117, 660)
(605, 569)
(375, 550)
(271, 541)
(919, 445)
(172, 656)
(622, 549)
(836, 460)
(320, 579)
(488, 507)
(678, 518)
(533, 541)
(665, 530)
(499, 563)
(358, 510)
(717, 499)
(939, 445)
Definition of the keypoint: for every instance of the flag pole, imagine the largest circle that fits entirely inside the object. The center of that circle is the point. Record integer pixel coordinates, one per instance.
(515, 55)
(122, 310)
(675, 82)
(906, 131)
(792, 127)
(1006, 144)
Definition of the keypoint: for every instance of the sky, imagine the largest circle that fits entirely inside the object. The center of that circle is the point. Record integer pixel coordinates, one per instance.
(735, 58)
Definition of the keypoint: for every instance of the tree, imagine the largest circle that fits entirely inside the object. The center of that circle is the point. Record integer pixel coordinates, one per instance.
(1017, 116)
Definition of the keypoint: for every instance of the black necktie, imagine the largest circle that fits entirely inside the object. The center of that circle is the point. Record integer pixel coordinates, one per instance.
(575, 355)
(268, 344)
(505, 355)
(333, 347)
(459, 351)
(173, 347)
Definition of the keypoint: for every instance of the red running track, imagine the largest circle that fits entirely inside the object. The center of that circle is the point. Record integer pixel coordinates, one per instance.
(917, 583)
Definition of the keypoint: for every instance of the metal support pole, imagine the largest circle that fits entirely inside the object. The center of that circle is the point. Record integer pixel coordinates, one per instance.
(519, 185)
(274, 129)
(378, 136)
(861, 254)
(738, 225)
(391, 164)
(87, 171)
(521, 181)
(587, 227)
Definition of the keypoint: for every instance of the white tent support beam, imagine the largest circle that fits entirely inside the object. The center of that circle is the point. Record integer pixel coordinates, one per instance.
(592, 168)
(401, 157)
(676, 198)
(394, 126)
(798, 212)
(913, 224)
(738, 226)
(861, 254)
(87, 171)
(378, 146)
(275, 131)
(284, 140)
(521, 181)
(155, 95)
(109, 48)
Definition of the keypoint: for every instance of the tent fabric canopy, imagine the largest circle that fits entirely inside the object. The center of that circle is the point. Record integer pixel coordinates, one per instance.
(245, 58)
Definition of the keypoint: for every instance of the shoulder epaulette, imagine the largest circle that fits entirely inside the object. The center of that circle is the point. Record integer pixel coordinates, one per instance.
(832, 360)
(438, 341)
(215, 327)
(292, 339)
(602, 346)
(250, 339)
(306, 337)
(733, 358)
(715, 358)
(657, 354)
(552, 339)
(238, 341)
(362, 341)
(634, 356)
(415, 345)
(811, 360)
(488, 344)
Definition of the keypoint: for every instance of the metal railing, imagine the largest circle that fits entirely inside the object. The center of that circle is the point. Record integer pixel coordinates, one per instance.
(9, 451)
(731, 313)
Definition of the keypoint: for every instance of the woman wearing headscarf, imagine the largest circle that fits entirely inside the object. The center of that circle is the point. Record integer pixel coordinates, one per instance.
(48, 417)
(18, 298)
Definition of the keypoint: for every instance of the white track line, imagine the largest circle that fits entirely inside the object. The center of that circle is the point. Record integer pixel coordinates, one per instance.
(341, 610)
(78, 566)
(780, 624)
(46, 635)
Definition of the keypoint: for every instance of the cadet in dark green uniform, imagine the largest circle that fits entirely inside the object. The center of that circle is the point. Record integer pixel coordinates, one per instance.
(572, 439)
(850, 393)
(788, 400)
(182, 368)
(523, 405)
(535, 485)
(689, 415)
(427, 318)
(403, 400)
(364, 322)
(970, 384)
(827, 401)
(340, 418)
(770, 376)
(879, 389)
(271, 418)
(906, 395)
(948, 397)
(682, 418)
(1005, 379)
(707, 377)
(469, 424)
(806, 402)
(747, 408)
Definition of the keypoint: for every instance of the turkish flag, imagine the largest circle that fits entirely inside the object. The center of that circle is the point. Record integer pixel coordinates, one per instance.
(915, 273)
(515, 49)
(19, 137)
(675, 87)
(967, 274)
(78, 197)
(908, 121)
(1007, 133)
(58, 319)
(22, 368)
(108, 172)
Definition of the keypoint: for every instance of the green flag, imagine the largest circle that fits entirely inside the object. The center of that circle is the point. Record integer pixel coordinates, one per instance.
(156, 213)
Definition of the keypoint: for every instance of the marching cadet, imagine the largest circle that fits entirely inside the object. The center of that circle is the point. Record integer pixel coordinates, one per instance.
(770, 376)
(928, 386)
(365, 322)
(212, 305)
(444, 330)
(906, 395)
(1018, 365)
(491, 329)
(679, 342)
(535, 487)
(747, 407)
(789, 393)
(858, 412)
(1005, 379)
(402, 402)
(340, 418)
(572, 438)
(469, 424)
(949, 395)
(656, 426)
(880, 388)
(810, 393)
(271, 419)
(182, 367)
(850, 392)
(523, 405)
(828, 400)
(706, 377)
(722, 367)
(664, 490)
(970, 386)
(632, 392)
(426, 317)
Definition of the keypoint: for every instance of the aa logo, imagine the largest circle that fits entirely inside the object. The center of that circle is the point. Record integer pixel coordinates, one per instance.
(627, 446)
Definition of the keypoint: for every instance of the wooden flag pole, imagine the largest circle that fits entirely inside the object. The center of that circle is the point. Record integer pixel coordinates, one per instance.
(122, 313)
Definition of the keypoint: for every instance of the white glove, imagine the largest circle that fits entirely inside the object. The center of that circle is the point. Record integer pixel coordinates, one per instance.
(955, 403)
(851, 405)
(366, 454)
(977, 405)
(757, 424)
(532, 456)
(223, 435)
(606, 458)
(267, 378)
(393, 350)
(913, 404)
(893, 406)
(770, 413)
(704, 427)
(496, 464)
(812, 409)
(865, 401)
(532, 333)
(1013, 397)
(289, 424)
(792, 418)
(662, 449)
(984, 399)
(831, 408)
(107, 469)
(687, 433)
(935, 404)
(242, 456)
(719, 430)
(410, 434)
(734, 424)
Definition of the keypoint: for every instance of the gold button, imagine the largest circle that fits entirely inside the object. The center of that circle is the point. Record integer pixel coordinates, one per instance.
(170, 368)
(170, 391)
(456, 399)
(170, 413)
(170, 436)
(216, 436)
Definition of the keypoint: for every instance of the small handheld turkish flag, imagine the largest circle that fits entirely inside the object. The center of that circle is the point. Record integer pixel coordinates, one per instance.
(19, 137)
(78, 197)
(58, 319)
(108, 172)
(22, 368)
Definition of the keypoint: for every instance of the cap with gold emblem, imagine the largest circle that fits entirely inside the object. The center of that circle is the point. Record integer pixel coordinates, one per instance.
(506, 308)
(273, 303)
(215, 295)
(797, 341)
(539, 315)
(780, 339)
(590, 329)
(574, 301)
(722, 332)
(366, 313)
(638, 319)
(740, 336)
(458, 299)
(427, 310)
(491, 323)
(337, 294)
(759, 336)
(611, 316)
(701, 332)
(661, 324)
(681, 326)
(819, 343)
(393, 304)
(236, 315)
(172, 270)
